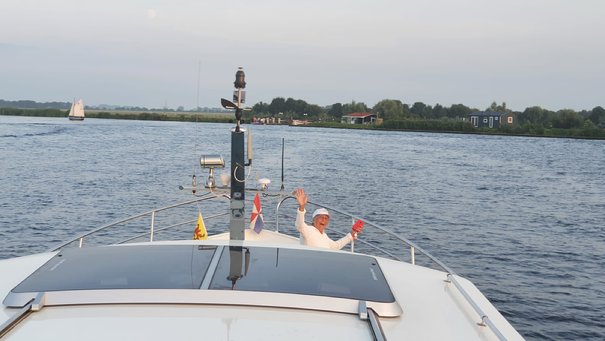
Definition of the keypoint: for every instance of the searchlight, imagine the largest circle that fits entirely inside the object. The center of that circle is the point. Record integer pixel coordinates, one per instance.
(211, 162)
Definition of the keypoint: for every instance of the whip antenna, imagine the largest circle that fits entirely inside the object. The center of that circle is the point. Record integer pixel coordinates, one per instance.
(282, 163)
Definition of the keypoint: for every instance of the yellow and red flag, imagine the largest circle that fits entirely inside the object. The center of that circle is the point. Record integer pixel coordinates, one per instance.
(200, 229)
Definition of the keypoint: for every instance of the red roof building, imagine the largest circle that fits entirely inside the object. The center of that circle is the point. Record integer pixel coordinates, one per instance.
(358, 118)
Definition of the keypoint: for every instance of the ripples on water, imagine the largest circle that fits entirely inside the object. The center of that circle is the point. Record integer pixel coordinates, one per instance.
(521, 217)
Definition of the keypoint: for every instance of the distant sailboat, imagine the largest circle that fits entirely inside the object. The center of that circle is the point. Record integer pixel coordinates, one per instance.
(76, 113)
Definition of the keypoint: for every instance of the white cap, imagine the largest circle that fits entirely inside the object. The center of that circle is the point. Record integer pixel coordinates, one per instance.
(320, 211)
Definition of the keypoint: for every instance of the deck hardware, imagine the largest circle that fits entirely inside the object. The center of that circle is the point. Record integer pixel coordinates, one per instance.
(363, 310)
(35, 304)
(482, 322)
(152, 226)
(413, 255)
(211, 162)
(370, 316)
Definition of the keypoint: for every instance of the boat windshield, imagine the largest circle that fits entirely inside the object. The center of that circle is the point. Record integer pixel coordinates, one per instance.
(121, 267)
(264, 269)
(299, 271)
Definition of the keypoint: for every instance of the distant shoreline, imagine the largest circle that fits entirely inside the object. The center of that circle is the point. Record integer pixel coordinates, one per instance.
(598, 134)
(482, 132)
(126, 115)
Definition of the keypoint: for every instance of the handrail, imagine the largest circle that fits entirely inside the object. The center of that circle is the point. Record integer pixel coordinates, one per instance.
(171, 226)
(485, 320)
(394, 235)
(368, 314)
(450, 274)
(86, 234)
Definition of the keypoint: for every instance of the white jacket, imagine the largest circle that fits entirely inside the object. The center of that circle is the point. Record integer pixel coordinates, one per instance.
(310, 236)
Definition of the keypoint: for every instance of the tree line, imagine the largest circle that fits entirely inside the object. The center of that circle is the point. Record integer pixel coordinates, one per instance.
(532, 118)
(388, 109)
(394, 114)
(29, 104)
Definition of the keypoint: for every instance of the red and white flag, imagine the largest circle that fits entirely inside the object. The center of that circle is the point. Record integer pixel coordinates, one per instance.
(256, 219)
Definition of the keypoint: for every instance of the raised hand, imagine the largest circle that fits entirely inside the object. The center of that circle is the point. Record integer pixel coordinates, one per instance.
(301, 198)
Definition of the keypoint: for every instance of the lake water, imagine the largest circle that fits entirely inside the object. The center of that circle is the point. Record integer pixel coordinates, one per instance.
(523, 218)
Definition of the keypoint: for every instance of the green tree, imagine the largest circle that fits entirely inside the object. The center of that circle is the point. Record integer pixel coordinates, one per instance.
(536, 116)
(458, 111)
(354, 107)
(261, 108)
(422, 110)
(494, 107)
(314, 110)
(438, 111)
(532, 115)
(597, 115)
(567, 119)
(335, 110)
(389, 109)
(278, 105)
(295, 106)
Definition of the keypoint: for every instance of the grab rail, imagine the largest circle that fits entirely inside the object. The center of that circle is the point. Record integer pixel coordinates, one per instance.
(485, 320)
(450, 274)
(81, 237)
(409, 243)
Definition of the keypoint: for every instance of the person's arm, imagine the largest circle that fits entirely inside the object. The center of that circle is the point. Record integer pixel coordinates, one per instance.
(355, 230)
(301, 199)
(300, 220)
(342, 242)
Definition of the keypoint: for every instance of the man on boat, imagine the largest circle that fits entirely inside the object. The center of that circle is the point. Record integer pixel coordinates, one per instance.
(315, 235)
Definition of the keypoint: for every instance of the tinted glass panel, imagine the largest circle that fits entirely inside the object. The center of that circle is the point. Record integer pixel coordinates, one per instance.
(301, 272)
(122, 267)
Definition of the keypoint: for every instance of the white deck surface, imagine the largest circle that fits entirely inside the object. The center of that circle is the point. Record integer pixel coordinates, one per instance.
(432, 310)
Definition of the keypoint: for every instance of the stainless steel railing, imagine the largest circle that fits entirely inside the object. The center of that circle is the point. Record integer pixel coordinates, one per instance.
(413, 248)
(450, 274)
(151, 213)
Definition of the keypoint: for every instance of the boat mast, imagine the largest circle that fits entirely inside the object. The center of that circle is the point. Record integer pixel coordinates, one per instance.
(238, 173)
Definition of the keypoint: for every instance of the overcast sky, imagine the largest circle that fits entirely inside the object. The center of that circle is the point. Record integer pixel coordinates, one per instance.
(549, 53)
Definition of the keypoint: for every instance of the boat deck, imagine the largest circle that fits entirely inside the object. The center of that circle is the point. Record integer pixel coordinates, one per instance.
(430, 307)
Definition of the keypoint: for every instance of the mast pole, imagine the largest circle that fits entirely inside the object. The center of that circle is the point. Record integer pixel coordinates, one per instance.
(238, 174)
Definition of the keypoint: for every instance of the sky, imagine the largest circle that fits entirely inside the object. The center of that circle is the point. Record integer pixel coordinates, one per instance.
(547, 53)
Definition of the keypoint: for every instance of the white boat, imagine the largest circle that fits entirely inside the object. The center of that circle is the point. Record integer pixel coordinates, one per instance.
(76, 112)
(238, 284)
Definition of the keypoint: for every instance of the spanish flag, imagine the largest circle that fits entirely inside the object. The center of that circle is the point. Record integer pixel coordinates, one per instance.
(200, 229)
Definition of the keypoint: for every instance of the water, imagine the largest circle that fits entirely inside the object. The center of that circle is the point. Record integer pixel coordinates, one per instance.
(523, 218)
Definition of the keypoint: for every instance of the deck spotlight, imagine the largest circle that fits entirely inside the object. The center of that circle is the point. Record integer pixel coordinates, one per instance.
(211, 162)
